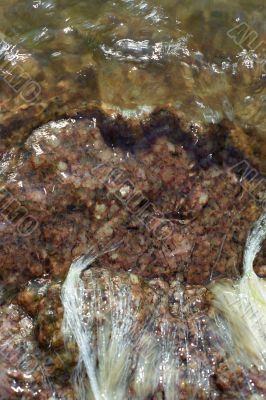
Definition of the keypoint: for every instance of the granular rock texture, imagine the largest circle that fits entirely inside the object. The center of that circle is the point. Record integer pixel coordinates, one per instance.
(177, 317)
(169, 213)
(28, 372)
(171, 201)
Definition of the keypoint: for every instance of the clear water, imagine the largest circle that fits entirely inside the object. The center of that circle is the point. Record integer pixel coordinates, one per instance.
(147, 53)
(205, 58)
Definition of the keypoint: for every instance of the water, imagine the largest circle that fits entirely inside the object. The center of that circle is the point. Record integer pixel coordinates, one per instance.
(204, 58)
(144, 54)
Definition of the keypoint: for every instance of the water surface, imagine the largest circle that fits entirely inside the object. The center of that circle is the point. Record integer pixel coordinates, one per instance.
(147, 53)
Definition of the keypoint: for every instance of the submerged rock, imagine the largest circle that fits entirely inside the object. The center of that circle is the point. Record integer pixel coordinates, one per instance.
(173, 204)
(172, 197)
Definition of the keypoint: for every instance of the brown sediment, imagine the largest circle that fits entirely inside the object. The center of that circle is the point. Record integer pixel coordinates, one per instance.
(191, 214)
(186, 225)
(163, 190)
(26, 370)
(166, 193)
(223, 142)
(76, 94)
(183, 310)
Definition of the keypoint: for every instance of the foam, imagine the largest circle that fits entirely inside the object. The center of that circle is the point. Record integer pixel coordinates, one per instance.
(119, 358)
(122, 357)
(242, 305)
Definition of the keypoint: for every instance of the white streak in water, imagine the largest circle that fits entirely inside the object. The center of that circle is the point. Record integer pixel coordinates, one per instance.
(72, 295)
(243, 304)
(118, 358)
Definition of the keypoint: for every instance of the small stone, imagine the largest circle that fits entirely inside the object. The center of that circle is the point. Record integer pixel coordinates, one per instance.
(203, 199)
(114, 256)
(106, 230)
(100, 208)
(52, 141)
(171, 147)
(125, 190)
(62, 166)
(134, 279)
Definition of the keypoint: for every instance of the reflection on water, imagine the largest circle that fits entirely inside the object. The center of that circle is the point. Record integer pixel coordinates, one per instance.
(146, 53)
